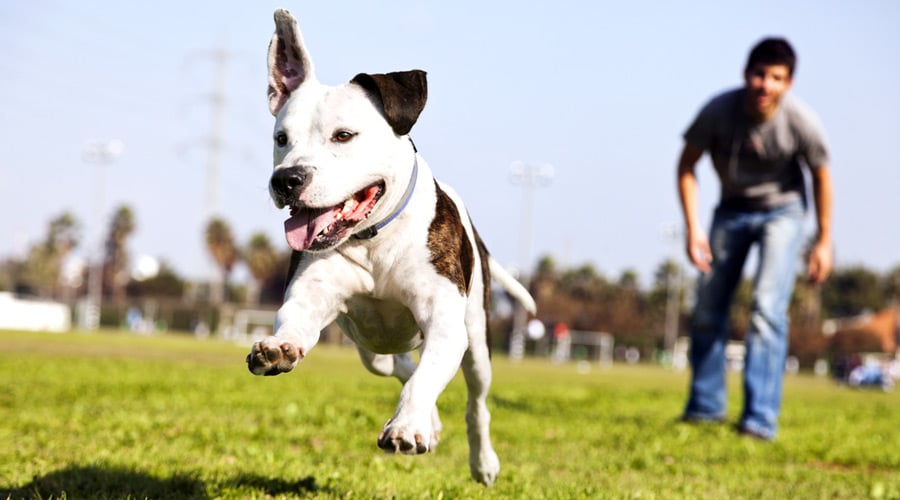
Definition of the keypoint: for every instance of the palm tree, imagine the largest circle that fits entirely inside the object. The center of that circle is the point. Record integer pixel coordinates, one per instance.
(221, 246)
(44, 263)
(262, 261)
(115, 271)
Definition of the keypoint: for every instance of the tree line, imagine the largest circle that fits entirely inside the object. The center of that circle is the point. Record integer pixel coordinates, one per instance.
(585, 299)
(581, 296)
(48, 270)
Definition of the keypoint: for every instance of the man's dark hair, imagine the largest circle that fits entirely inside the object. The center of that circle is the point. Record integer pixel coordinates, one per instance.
(771, 51)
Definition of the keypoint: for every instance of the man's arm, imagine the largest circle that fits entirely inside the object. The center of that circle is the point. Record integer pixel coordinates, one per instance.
(820, 256)
(697, 244)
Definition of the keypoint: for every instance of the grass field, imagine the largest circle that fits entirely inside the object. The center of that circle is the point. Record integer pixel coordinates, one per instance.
(112, 415)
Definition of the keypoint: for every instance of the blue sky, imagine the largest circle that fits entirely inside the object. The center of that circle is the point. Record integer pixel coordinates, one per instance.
(600, 90)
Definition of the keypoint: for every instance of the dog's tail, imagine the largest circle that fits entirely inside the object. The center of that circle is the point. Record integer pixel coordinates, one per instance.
(511, 285)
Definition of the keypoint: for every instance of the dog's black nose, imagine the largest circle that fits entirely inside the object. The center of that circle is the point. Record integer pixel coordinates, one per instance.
(289, 181)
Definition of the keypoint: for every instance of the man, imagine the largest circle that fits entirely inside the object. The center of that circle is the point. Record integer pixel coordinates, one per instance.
(759, 139)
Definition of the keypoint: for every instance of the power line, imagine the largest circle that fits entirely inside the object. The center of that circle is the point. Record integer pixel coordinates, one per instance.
(217, 126)
(214, 143)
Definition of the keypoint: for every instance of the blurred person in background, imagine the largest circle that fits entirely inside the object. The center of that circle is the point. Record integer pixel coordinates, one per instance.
(759, 138)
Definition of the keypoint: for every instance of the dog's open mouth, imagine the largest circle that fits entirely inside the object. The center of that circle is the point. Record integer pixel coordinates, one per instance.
(320, 228)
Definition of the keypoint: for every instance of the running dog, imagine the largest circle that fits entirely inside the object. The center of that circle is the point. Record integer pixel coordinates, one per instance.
(379, 246)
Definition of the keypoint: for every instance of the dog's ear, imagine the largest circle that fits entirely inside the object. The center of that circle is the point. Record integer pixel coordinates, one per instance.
(402, 96)
(289, 63)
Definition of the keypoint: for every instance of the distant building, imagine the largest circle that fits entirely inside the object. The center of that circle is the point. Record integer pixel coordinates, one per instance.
(868, 331)
(35, 315)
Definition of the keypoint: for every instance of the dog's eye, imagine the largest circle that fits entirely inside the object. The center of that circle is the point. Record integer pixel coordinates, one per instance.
(342, 136)
(281, 139)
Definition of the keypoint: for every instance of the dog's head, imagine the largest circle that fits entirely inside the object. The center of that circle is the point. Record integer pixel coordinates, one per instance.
(342, 160)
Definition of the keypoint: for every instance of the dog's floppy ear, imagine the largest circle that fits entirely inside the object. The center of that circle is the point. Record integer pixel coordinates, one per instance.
(289, 63)
(402, 96)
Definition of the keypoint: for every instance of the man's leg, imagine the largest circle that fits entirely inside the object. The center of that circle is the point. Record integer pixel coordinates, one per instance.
(767, 336)
(730, 241)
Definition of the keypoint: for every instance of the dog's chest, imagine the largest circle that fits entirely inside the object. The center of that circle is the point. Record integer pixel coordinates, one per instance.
(380, 326)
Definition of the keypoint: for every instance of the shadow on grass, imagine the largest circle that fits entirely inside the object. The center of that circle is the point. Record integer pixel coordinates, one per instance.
(103, 482)
(277, 486)
(511, 404)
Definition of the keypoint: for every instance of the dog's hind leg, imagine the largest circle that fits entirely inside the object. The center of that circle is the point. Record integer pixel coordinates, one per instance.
(483, 462)
(402, 367)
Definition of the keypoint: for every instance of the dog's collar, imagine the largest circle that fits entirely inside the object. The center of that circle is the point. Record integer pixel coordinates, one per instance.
(371, 231)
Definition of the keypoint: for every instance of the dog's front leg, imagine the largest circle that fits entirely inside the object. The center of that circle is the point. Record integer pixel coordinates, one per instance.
(281, 352)
(311, 303)
(411, 429)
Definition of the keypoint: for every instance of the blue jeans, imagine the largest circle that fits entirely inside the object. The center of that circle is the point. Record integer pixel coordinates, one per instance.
(779, 236)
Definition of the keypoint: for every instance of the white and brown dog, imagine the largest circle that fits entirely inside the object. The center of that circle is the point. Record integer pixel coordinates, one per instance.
(379, 246)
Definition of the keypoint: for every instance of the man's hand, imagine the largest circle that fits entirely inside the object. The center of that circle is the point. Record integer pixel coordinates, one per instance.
(820, 261)
(698, 250)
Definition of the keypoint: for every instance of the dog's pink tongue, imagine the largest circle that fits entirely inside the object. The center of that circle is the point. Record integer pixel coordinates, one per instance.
(301, 229)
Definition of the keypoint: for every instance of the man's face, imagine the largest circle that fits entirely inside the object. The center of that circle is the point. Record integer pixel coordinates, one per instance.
(766, 84)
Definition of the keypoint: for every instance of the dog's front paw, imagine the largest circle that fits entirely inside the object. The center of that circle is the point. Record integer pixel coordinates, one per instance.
(271, 357)
(409, 439)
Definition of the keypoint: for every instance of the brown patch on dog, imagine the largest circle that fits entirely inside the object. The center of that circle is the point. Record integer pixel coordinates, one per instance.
(451, 251)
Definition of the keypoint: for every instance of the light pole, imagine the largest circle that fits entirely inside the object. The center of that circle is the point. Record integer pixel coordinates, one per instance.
(674, 234)
(100, 153)
(528, 176)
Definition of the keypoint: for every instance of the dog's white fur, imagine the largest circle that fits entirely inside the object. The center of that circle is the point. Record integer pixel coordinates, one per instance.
(385, 292)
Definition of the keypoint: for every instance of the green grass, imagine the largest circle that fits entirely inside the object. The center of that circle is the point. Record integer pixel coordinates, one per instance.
(112, 415)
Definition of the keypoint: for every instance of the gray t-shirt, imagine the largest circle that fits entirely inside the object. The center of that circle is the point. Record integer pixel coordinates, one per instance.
(759, 164)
